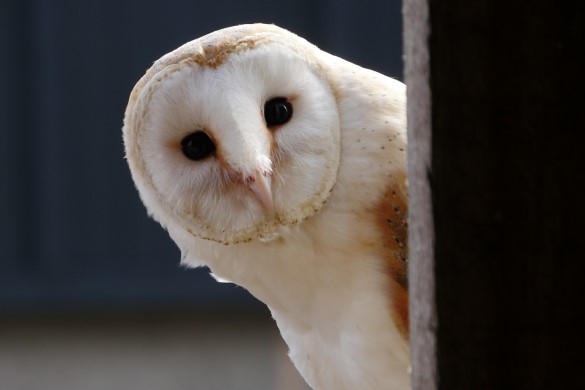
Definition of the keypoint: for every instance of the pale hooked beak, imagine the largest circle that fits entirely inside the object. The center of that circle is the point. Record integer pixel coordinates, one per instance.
(261, 186)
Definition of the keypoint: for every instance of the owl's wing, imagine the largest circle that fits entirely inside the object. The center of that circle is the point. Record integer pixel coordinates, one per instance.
(373, 111)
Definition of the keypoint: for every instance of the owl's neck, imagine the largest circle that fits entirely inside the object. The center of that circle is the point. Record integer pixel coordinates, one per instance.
(331, 305)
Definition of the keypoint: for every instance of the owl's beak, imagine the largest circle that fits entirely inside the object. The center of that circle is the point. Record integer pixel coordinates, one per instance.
(261, 186)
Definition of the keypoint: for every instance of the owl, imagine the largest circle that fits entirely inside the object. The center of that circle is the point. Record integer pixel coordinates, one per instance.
(282, 168)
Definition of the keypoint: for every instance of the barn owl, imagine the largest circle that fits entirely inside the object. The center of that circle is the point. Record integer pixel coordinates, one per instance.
(282, 168)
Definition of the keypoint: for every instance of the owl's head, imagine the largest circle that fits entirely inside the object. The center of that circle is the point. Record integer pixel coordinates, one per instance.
(234, 135)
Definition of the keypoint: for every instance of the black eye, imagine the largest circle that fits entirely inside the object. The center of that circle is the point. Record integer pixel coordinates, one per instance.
(197, 145)
(277, 111)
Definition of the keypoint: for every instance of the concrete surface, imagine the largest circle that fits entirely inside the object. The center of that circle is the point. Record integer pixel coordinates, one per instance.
(162, 352)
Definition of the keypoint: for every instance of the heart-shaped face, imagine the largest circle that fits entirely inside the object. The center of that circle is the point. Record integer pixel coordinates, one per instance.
(234, 135)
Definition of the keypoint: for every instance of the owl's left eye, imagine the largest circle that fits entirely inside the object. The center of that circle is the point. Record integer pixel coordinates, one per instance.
(277, 111)
(197, 145)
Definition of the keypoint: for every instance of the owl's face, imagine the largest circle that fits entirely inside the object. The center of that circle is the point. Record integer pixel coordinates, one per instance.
(232, 151)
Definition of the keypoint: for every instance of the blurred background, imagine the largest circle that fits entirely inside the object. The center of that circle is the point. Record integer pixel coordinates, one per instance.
(91, 292)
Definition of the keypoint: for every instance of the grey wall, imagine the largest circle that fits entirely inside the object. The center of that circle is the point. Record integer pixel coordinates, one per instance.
(73, 233)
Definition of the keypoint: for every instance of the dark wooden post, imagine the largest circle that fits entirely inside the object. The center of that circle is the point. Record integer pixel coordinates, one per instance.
(421, 236)
(496, 122)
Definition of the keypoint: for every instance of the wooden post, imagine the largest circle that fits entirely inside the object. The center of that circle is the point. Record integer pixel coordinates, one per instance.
(421, 235)
(497, 262)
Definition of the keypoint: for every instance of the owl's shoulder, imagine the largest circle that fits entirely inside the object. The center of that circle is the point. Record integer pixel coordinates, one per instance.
(372, 177)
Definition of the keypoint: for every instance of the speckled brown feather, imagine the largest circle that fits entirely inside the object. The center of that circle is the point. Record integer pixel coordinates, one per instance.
(392, 221)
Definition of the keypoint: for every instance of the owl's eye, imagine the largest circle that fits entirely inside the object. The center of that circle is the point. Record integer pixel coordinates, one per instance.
(277, 111)
(197, 145)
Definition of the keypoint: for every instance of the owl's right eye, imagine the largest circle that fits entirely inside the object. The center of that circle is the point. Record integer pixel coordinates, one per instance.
(197, 145)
